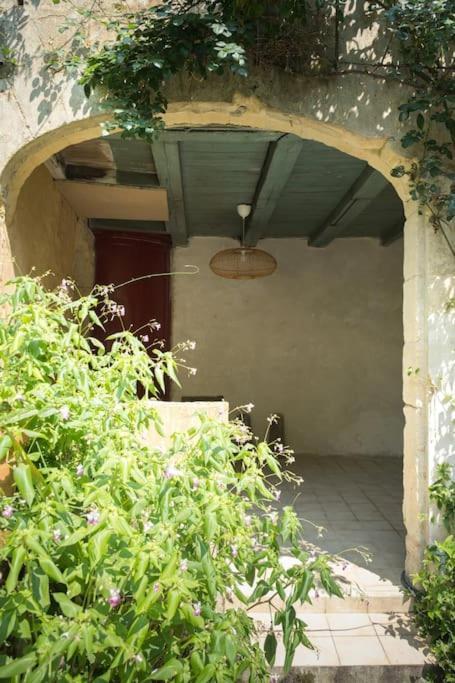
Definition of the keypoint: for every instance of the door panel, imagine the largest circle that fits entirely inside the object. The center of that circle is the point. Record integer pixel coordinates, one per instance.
(122, 256)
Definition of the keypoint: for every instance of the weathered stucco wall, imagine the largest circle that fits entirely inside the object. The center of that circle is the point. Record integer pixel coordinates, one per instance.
(46, 234)
(320, 341)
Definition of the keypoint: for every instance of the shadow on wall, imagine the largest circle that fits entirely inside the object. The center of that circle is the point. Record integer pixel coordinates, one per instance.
(343, 94)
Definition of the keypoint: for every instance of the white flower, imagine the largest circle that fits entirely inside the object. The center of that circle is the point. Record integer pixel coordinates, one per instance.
(144, 338)
(57, 535)
(148, 526)
(170, 472)
(80, 470)
(249, 407)
(184, 565)
(93, 517)
(65, 412)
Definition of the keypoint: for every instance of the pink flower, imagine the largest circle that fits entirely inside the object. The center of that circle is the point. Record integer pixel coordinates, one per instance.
(93, 517)
(144, 338)
(197, 609)
(156, 587)
(57, 535)
(196, 483)
(184, 565)
(114, 598)
(80, 470)
(234, 551)
(277, 495)
(8, 511)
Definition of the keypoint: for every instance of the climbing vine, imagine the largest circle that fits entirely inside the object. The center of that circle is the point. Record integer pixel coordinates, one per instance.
(147, 48)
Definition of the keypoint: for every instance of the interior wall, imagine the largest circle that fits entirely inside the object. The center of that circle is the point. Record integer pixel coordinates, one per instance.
(320, 341)
(46, 234)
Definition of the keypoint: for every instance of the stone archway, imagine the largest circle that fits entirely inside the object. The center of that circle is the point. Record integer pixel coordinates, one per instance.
(426, 264)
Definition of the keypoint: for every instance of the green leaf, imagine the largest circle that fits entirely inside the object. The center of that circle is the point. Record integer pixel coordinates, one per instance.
(50, 568)
(40, 586)
(23, 478)
(270, 646)
(171, 669)
(207, 674)
(173, 600)
(5, 445)
(68, 607)
(18, 666)
(7, 623)
(16, 566)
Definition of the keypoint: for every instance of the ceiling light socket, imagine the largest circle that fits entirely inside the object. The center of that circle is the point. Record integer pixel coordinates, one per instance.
(244, 210)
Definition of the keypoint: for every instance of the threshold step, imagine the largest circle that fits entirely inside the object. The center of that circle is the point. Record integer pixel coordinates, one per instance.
(351, 647)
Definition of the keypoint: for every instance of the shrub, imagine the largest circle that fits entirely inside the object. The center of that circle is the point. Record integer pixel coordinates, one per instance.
(121, 561)
(434, 605)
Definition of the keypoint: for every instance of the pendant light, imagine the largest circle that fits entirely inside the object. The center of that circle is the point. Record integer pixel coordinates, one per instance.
(243, 263)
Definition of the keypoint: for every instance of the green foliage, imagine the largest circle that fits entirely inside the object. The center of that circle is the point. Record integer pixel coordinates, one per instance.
(148, 50)
(442, 492)
(434, 606)
(121, 561)
(425, 31)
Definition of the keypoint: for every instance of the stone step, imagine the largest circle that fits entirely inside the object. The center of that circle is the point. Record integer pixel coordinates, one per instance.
(354, 674)
(353, 648)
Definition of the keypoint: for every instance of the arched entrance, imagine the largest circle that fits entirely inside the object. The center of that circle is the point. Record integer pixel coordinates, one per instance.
(420, 451)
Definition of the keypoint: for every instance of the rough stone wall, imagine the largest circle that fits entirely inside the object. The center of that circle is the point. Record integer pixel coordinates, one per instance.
(46, 234)
(320, 341)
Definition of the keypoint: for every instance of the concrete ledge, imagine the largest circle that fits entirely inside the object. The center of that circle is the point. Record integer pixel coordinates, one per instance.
(178, 417)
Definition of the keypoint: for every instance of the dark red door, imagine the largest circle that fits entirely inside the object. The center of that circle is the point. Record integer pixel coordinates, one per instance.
(122, 256)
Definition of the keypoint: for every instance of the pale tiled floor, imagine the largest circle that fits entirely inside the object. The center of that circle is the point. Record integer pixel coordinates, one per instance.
(358, 501)
(355, 640)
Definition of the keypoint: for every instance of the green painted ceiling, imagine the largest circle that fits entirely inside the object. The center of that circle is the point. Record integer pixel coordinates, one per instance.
(294, 185)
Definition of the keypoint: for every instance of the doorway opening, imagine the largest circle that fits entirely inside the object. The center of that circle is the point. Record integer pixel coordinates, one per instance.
(319, 342)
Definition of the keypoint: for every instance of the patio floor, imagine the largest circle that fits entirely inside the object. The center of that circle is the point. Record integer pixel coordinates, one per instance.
(358, 501)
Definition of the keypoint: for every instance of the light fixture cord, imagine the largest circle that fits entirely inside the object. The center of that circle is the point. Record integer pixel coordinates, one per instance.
(243, 232)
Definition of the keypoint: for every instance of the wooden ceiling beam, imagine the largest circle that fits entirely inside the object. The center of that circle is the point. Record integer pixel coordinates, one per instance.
(280, 161)
(367, 187)
(168, 166)
(392, 234)
(231, 135)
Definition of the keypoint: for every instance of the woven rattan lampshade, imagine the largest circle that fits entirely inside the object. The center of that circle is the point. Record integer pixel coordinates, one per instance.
(243, 263)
